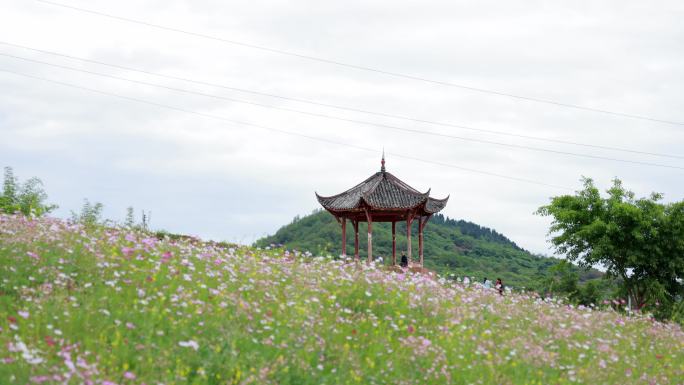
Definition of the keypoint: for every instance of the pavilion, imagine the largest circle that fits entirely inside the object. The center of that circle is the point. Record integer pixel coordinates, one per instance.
(382, 198)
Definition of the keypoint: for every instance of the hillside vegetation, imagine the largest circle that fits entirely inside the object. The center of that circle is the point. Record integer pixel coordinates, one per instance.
(451, 247)
(110, 306)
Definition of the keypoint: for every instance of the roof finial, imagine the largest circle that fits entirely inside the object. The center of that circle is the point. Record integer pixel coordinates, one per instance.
(382, 162)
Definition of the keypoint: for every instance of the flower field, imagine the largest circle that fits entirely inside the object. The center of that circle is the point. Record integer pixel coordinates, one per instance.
(113, 306)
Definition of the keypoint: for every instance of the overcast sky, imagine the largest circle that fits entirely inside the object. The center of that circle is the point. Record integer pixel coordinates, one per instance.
(222, 180)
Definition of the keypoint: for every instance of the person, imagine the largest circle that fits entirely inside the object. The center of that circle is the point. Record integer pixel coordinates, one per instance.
(499, 286)
(487, 283)
(404, 260)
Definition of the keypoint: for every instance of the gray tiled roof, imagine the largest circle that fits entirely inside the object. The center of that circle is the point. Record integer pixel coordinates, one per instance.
(382, 191)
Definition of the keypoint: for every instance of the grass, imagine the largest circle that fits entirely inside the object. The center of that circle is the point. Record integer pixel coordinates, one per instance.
(113, 306)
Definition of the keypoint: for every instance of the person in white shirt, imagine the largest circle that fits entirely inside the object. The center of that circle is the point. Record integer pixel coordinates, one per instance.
(487, 283)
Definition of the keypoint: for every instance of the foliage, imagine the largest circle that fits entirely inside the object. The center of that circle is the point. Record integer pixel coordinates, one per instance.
(90, 214)
(129, 222)
(114, 306)
(562, 280)
(639, 241)
(451, 247)
(27, 198)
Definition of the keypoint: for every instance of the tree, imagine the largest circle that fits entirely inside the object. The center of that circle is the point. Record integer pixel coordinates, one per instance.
(562, 279)
(90, 215)
(8, 201)
(28, 198)
(130, 218)
(638, 241)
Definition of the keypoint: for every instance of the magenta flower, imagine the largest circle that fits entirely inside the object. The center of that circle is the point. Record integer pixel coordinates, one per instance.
(32, 255)
(149, 242)
(166, 256)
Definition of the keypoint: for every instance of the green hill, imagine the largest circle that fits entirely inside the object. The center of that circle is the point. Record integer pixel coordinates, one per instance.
(451, 247)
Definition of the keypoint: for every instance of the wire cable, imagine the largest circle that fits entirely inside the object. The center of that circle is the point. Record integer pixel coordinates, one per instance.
(410, 130)
(292, 133)
(344, 108)
(360, 67)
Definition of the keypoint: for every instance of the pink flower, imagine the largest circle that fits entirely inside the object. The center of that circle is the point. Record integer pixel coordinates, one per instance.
(50, 341)
(149, 242)
(129, 376)
(23, 314)
(166, 256)
(411, 329)
(40, 379)
(130, 325)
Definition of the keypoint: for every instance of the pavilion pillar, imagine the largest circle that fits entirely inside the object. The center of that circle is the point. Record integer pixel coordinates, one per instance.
(420, 240)
(344, 238)
(409, 219)
(421, 225)
(356, 240)
(394, 243)
(369, 218)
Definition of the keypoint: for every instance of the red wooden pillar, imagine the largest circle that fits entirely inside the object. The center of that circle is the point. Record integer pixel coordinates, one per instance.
(344, 237)
(369, 218)
(356, 240)
(420, 240)
(421, 226)
(409, 219)
(394, 244)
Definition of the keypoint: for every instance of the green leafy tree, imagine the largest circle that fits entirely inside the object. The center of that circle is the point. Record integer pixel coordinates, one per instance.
(27, 198)
(90, 214)
(638, 241)
(8, 201)
(130, 218)
(561, 279)
(589, 294)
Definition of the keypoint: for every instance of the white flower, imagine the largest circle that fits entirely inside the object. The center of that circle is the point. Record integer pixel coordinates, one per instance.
(189, 344)
(31, 356)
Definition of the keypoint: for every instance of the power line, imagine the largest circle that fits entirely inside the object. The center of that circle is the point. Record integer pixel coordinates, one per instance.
(344, 108)
(315, 138)
(410, 130)
(362, 68)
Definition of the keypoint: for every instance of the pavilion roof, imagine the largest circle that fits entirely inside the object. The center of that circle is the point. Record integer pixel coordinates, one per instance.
(382, 191)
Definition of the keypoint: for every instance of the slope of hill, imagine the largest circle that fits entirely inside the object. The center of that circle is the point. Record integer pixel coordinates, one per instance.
(112, 306)
(451, 246)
